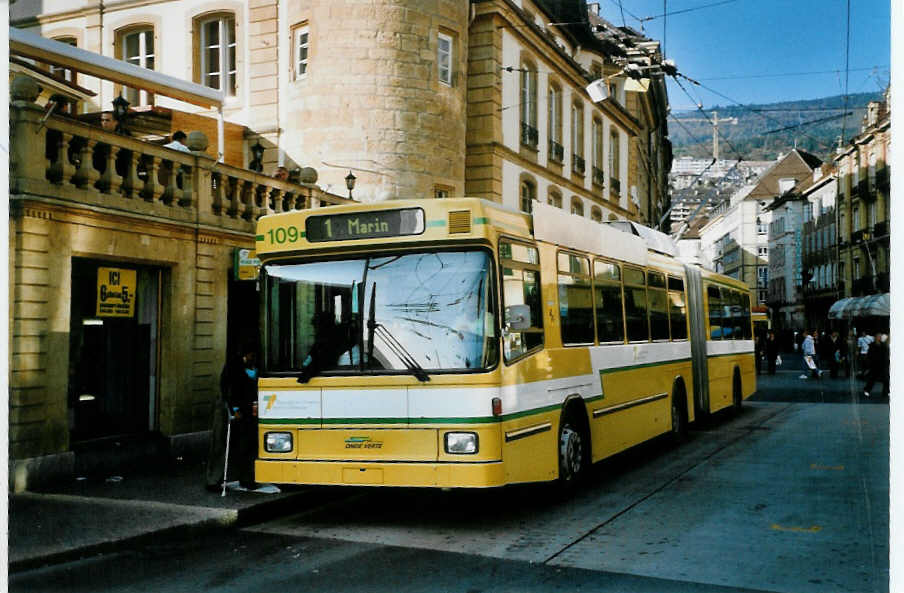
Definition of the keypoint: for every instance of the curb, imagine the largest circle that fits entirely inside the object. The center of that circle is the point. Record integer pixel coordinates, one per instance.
(223, 519)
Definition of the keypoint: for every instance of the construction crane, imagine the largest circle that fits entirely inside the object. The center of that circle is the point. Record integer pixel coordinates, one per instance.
(714, 121)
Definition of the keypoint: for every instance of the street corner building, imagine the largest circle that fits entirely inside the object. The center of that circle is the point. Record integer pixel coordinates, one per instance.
(131, 264)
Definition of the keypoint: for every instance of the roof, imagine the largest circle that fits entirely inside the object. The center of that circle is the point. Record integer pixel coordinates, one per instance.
(52, 84)
(32, 45)
(797, 164)
(574, 12)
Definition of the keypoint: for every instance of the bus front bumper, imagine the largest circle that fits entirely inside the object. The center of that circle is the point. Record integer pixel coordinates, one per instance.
(340, 473)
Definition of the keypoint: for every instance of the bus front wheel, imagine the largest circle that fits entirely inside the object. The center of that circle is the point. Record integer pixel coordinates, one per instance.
(572, 453)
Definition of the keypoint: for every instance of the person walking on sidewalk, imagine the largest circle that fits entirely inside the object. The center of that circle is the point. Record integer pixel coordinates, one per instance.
(771, 352)
(237, 403)
(808, 347)
(877, 360)
(837, 353)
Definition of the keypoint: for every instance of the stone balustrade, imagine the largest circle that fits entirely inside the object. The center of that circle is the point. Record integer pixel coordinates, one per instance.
(60, 158)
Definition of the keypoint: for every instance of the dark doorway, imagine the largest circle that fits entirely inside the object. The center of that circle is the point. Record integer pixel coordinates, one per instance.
(242, 316)
(113, 359)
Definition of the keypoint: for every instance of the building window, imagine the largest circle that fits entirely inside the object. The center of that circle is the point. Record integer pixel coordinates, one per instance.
(554, 199)
(614, 162)
(529, 134)
(554, 120)
(444, 58)
(762, 276)
(218, 49)
(441, 191)
(66, 74)
(872, 210)
(762, 252)
(785, 184)
(302, 37)
(528, 193)
(599, 176)
(577, 206)
(596, 215)
(855, 219)
(137, 48)
(577, 138)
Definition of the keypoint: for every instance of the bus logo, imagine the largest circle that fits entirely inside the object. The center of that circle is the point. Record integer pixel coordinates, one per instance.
(270, 399)
(362, 443)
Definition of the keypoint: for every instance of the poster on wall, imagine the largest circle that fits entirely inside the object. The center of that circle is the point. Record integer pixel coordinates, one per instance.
(116, 289)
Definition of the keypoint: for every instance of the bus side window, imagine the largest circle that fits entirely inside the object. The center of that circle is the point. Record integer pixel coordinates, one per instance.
(737, 316)
(659, 312)
(714, 303)
(520, 266)
(677, 309)
(636, 305)
(745, 312)
(575, 300)
(610, 323)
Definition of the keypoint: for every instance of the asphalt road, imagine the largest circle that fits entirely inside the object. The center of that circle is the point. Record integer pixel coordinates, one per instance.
(787, 497)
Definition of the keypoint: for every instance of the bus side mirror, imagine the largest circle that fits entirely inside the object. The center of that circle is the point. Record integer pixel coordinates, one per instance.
(517, 318)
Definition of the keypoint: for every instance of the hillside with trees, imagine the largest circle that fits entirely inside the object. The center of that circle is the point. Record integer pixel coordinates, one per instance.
(763, 131)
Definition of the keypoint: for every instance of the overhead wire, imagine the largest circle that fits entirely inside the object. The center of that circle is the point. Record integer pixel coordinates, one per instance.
(847, 56)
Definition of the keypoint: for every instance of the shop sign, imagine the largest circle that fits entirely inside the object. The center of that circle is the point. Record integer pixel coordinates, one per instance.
(246, 264)
(116, 289)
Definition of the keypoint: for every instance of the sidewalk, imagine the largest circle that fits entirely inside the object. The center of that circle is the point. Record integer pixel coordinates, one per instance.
(94, 515)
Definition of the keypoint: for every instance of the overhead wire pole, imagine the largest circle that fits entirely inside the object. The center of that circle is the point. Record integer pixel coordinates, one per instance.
(847, 55)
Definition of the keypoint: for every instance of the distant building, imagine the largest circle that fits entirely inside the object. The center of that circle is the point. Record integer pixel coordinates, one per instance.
(819, 245)
(784, 254)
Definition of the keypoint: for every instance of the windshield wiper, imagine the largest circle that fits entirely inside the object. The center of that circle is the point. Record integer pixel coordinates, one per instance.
(399, 350)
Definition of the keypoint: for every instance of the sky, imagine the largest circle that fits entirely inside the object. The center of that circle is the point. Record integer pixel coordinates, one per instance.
(755, 51)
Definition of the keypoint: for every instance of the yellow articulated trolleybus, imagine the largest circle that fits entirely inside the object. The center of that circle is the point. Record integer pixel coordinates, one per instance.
(458, 343)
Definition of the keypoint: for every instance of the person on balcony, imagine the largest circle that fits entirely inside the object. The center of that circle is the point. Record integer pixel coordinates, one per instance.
(178, 142)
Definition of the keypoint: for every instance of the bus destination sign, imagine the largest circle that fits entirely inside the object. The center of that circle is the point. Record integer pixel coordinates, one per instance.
(365, 225)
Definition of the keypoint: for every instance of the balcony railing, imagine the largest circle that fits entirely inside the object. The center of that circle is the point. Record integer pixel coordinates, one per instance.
(857, 237)
(882, 179)
(880, 229)
(599, 177)
(529, 135)
(556, 152)
(577, 164)
(74, 162)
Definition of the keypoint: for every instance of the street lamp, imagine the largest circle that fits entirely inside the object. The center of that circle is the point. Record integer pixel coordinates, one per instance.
(120, 111)
(257, 151)
(350, 183)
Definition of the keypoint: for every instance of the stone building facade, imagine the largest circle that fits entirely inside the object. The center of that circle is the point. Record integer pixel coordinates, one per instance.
(864, 194)
(417, 99)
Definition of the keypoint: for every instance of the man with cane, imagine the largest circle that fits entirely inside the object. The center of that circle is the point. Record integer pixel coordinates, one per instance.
(233, 443)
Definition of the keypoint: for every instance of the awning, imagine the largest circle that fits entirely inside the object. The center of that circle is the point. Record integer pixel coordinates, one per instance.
(873, 305)
(32, 45)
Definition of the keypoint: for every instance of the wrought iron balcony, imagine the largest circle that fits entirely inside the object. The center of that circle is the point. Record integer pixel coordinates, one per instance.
(529, 135)
(577, 164)
(556, 152)
(880, 229)
(599, 176)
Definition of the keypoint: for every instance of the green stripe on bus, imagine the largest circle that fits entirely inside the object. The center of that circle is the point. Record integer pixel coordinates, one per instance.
(437, 223)
(259, 238)
(482, 220)
(642, 366)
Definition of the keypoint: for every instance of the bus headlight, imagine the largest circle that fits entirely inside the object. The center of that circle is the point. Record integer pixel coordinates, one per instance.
(461, 443)
(278, 442)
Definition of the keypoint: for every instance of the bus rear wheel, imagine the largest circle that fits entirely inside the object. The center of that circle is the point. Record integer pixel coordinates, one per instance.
(572, 454)
(737, 399)
(679, 418)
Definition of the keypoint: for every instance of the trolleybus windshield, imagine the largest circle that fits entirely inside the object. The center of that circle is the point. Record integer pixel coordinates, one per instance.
(411, 313)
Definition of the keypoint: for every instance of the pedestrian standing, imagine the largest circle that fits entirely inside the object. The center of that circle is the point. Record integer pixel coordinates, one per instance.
(771, 352)
(863, 343)
(877, 361)
(808, 347)
(834, 352)
(237, 404)
(758, 354)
